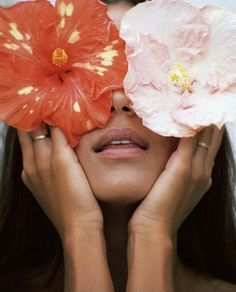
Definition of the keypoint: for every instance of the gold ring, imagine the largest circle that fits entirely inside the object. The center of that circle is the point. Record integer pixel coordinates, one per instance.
(203, 145)
(39, 137)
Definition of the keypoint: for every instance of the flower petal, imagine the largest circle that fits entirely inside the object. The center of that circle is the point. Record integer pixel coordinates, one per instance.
(204, 109)
(157, 114)
(216, 68)
(74, 95)
(173, 23)
(104, 63)
(21, 107)
(213, 99)
(73, 110)
(151, 97)
(23, 30)
(81, 25)
(201, 84)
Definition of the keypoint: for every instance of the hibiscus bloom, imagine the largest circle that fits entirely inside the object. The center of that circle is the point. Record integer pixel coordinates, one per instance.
(59, 65)
(182, 64)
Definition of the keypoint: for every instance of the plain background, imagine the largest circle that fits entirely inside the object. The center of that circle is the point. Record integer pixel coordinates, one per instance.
(229, 4)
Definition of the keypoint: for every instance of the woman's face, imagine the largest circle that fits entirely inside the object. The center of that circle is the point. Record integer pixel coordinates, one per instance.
(123, 160)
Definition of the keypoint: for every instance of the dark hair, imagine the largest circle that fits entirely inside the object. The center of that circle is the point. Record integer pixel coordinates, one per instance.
(30, 248)
(207, 238)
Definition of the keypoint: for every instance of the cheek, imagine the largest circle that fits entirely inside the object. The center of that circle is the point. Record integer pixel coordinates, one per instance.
(125, 181)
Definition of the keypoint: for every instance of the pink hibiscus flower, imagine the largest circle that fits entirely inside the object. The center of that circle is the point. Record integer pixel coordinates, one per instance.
(59, 65)
(182, 63)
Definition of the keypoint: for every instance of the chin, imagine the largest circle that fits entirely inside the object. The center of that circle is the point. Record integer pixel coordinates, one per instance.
(121, 189)
(119, 198)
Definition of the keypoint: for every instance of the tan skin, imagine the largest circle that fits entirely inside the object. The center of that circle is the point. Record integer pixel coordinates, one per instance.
(69, 184)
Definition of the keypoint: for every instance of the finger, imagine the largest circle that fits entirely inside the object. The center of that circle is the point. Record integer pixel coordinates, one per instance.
(59, 140)
(62, 152)
(42, 149)
(180, 162)
(187, 146)
(215, 145)
(29, 167)
(184, 152)
(205, 137)
(26, 146)
(201, 172)
(60, 146)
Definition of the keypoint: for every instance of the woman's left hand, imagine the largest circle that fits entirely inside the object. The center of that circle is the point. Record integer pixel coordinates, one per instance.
(180, 187)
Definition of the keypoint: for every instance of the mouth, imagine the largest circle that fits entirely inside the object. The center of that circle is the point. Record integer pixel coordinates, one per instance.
(121, 142)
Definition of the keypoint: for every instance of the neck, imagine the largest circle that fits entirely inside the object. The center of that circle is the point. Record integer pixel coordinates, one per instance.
(116, 219)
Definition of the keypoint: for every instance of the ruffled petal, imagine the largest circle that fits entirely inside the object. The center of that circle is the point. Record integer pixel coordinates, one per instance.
(216, 68)
(148, 65)
(22, 107)
(23, 62)
(82, 26)
(72, 109)
(104, 64)
(176, 24)
(203, 109)
(156, 114)
(213, 100)
(145, 85)
(62, 66)
(23, 31)
(196, 87)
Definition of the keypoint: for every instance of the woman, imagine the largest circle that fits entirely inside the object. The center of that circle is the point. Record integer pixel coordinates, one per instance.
(138, 210)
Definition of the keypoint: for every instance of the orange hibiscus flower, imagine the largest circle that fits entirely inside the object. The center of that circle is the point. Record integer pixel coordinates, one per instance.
(59, 65)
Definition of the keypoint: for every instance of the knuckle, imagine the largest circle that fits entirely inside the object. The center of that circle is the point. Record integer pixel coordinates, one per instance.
(42, 168)
(26, 179)
(28, 171)
(58, 160)
(184, 170)
(201, 177)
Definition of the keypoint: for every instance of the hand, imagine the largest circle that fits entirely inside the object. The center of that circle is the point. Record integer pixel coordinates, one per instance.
(179, 188)
(55, 178)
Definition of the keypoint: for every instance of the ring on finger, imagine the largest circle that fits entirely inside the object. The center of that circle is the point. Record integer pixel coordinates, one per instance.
(203, 145)
(39, 137)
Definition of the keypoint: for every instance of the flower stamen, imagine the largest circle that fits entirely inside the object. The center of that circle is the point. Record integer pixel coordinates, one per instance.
(59, 57)
(179, 76)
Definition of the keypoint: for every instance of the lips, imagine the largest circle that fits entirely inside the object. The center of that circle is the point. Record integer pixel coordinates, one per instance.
(123, 138)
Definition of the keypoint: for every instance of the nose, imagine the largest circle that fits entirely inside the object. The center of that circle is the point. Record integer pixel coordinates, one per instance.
(120, 103)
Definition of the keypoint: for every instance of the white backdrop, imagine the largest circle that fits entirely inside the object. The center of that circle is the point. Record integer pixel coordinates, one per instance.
(230, 4)
(11, 2)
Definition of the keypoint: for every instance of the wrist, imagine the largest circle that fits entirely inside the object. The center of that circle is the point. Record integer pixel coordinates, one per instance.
(146, 254)
(70, 232)
(150, 243)
(159, 230)
(77, 236)
(85, 261)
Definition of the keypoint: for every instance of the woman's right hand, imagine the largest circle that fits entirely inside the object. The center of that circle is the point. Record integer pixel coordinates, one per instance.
(54, 176)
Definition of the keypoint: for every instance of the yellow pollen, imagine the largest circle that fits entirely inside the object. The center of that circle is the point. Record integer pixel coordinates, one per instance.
(59, 57)
(179, 76)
